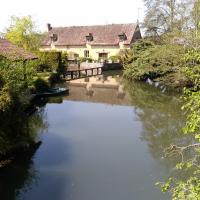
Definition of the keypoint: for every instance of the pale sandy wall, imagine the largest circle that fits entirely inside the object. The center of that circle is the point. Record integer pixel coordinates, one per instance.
(93, 50)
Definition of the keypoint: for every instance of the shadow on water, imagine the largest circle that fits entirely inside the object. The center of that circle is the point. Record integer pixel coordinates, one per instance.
(17, 177)
(22, 142)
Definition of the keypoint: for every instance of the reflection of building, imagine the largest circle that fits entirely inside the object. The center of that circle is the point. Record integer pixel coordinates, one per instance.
(94, 42)
(99, 90)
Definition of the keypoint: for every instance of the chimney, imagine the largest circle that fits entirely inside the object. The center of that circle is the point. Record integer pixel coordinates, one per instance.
(49, 27)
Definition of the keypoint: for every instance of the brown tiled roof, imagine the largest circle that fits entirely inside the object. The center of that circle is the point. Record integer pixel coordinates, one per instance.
(102, 34)
(12, 52)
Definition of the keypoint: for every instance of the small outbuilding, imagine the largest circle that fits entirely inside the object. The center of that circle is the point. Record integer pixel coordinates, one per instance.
(12, 52)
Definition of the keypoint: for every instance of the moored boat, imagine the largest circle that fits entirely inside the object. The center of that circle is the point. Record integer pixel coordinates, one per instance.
(53, 92)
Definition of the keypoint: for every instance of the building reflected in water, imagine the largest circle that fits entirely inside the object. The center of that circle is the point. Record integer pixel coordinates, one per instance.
(99, 89)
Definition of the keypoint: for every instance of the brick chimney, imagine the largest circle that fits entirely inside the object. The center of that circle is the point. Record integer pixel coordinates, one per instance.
(49, 27)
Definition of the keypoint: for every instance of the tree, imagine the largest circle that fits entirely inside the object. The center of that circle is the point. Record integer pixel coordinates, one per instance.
(16, 132)
(166, 16)
(188, 188)
(196, 14)
(23, 32)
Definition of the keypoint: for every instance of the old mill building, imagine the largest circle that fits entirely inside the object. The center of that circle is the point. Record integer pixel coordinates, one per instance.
(94, 42)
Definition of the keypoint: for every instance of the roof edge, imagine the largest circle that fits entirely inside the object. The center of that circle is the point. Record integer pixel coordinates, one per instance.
(78, 26)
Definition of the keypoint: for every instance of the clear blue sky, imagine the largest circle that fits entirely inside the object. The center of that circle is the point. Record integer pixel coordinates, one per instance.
(72, 12)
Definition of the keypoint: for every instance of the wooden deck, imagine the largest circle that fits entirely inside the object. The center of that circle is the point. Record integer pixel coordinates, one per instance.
(76, 73)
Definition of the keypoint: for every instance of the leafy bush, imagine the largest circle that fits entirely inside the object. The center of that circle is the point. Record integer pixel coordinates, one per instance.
(40, 85)
(64, 63)
(153, 61)
(49, 61)
(188, 187)
(84, 59)
(114, 59)
(54, 78)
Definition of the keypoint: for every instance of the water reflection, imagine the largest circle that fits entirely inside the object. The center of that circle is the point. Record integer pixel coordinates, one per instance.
(18, 177)
(160, 112)
(100, 89)
(161, 116)
(104, 141)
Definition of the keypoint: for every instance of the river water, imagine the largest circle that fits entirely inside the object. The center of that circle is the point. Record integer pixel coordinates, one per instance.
(103, 141)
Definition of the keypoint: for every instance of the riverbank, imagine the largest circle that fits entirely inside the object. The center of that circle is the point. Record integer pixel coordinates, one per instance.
(163, 64)
(20, 153)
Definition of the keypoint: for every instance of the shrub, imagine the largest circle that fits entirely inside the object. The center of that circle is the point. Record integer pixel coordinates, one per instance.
(40, 85)
(54, 78)
(49, 61)
(114, 59)
(84, 59)
(64, 63)
(153, 61)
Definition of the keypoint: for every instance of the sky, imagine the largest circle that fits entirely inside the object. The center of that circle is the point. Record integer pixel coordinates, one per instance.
(72, 12)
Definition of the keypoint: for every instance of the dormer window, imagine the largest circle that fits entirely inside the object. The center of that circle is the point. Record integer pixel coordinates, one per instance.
(54, 37)
(89, 37)
(122, 37)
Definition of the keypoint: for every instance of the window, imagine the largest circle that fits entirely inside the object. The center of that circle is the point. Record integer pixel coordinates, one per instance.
(122, 37)
(54, 37)
(86, 54)
(89, 37)
(103, 55)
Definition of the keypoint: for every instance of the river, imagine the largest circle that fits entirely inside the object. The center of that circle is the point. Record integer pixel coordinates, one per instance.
(103, 141)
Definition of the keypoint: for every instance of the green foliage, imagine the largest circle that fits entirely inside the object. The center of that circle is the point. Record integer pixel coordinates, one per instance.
(5, 99)
(189, 189)
(19, 130)
(54, 78)
(40, 85)
(48, 61)
(22, 32)
(192, 71)
(183, 189)
(64, 62)
(15, 131)
(195, 14)
(126, 56)
(15, 79)
(85, 59)
(154, 61)
(175, 22)
(192, 94)
(164, 16)
(17, 76)
(192, 107)
(114, 59)
(140, 46)
(51, 61)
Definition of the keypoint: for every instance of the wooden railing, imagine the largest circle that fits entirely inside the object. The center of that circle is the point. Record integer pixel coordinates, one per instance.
(77, 73)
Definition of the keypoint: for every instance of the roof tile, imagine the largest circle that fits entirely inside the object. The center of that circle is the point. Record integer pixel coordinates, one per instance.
(12, 52)
(102, 34)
